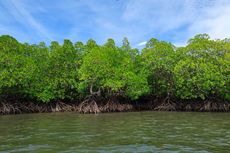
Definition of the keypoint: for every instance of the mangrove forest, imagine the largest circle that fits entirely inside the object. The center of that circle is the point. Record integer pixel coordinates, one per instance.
(92, 78)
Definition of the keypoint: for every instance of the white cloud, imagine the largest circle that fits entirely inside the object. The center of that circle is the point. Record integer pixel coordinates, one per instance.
(138, 20)
(21, 14)
(160, 16)
(179, 44)
(178, 20)
(185, 18)
(142, 43)
(216, 25)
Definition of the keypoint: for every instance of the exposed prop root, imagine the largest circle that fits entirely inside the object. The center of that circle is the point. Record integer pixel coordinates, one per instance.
(188, 107)
(225, 107)
(62, 107)
(210, 106)
(31, 107)
(191, 106)
(7, 108)
(89, 106)
(166, 105)
(112, 106)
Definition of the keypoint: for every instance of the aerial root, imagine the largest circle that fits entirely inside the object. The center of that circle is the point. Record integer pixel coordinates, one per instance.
(89, 106)
(7, 108)
(31, 107)
(114, 106)
(62, 107)
(166, 105)
(211, 106)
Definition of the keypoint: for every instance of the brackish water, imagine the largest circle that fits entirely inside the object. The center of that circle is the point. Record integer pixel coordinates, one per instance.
(116, 132)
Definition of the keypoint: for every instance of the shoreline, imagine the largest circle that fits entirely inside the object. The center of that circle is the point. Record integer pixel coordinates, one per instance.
(92, 107)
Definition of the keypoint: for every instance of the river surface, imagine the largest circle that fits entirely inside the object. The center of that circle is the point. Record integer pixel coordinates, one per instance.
(116, 132)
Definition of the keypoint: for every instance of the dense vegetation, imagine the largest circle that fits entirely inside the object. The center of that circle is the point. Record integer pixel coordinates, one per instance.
(75, 71)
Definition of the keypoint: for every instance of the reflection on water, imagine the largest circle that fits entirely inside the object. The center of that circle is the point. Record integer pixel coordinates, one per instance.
(116, 132)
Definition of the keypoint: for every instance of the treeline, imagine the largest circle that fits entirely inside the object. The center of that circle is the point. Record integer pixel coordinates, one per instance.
(74, 71)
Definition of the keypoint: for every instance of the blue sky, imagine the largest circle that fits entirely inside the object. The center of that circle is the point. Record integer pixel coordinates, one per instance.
(139, 20)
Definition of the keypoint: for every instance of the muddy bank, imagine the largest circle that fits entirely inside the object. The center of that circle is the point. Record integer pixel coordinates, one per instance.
(93, 106)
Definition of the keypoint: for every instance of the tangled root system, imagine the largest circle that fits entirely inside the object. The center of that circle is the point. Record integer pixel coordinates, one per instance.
(92, 105)
(166, 105)
(114, 106)
(89, 105)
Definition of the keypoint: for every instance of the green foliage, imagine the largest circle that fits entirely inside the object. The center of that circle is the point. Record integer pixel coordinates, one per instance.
(111, 69)
(58, 76)
(73, 71)
(197, 78)
(158, 61)
(39, 86)
(16, 66)
(203, 69)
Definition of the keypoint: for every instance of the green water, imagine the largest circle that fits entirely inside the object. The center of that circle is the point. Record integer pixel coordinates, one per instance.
(116, 132)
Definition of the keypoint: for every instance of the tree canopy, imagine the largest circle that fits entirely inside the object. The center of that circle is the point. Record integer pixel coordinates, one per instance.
(72, 71)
